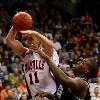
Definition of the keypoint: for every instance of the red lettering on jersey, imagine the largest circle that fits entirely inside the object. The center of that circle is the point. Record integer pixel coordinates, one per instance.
(34, 65)
(30, 65)
(26, 67)
(41, 64)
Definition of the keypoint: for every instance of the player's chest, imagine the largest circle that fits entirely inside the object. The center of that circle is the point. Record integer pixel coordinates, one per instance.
(35, 63)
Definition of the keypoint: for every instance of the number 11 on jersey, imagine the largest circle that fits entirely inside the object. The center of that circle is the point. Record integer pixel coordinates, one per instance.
(35, 77)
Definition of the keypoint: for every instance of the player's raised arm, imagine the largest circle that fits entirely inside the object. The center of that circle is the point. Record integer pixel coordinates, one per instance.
(58, 73)
(20, 21)
(16, 46)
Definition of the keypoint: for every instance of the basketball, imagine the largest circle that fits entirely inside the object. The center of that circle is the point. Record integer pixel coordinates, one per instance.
(22, 21)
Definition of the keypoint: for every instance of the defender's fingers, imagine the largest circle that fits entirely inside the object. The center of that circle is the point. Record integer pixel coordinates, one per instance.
(37, 95)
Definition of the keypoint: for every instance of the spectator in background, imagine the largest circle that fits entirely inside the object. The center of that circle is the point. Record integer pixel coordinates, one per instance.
(57, 35)
(4, 92)
(94, 87)
(13, 84)
(1, 75)
(10, 96)
(57, 44)
(23, 97)
(16, 63)
(98, 81)
(70, 45)
(4, 69)
(22, 87)
(1, 54)
(63, 53)
(95, 94)
(6, 79)
(1, 85)
(87, 19)
(14, 75)
(64, 64)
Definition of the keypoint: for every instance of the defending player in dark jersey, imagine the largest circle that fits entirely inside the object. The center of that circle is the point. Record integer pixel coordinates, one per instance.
(74, 88)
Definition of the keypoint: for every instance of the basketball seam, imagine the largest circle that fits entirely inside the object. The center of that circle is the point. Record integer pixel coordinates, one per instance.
(25, 24)
(21, 19)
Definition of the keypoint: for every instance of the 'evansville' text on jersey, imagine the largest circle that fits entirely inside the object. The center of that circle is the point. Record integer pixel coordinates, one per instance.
(34, 65)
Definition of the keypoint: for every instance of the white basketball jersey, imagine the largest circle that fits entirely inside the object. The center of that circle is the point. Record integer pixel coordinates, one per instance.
(38, 75)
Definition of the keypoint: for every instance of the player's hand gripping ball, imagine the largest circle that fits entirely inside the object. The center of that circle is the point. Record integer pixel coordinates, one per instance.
(22, 21)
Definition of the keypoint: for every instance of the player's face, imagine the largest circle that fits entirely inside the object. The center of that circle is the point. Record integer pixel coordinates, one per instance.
(33, 42)
(29, 41)
(81, 67)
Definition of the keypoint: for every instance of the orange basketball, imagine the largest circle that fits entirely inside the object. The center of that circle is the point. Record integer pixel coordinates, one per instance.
(22, 21)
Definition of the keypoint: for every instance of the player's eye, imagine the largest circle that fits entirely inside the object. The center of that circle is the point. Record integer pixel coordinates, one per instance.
(79, 62)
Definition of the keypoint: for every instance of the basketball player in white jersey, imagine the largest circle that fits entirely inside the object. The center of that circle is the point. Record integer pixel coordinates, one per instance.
(36, 70)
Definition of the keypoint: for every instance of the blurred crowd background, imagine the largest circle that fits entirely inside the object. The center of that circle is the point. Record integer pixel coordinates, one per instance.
(72, 26)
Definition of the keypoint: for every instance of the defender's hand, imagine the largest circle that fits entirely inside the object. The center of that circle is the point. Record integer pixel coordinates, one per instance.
(40, 52)
(41, 94)
(29, 33)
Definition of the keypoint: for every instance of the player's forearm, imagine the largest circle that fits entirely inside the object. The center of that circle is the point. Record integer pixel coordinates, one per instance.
(58, 73)
(44, 39)
(47, 44)
(11, 34)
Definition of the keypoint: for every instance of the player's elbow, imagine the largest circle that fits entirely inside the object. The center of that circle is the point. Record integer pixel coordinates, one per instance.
(8, 40)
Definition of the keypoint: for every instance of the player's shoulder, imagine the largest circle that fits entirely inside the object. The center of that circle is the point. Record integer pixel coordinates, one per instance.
(81, 80)
(82, 83)
(81, 87)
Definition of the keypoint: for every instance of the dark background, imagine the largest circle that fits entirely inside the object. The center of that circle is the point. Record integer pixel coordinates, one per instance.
(72, 8)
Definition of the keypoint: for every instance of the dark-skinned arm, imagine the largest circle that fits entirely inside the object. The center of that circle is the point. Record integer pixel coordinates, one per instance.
(58, 73)
(76, 85)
